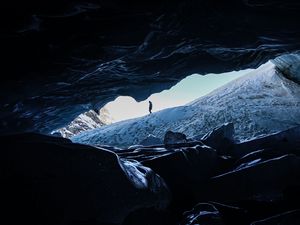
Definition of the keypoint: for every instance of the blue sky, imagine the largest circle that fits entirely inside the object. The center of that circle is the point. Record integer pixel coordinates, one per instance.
(187, 90)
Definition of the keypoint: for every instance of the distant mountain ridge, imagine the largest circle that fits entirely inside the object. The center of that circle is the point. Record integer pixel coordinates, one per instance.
(86, 121)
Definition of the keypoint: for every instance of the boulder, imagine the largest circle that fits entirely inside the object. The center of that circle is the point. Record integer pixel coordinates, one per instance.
(186, 165)
(49, 180)
(220, 138)
(151, 140)
(174, 138)
(261, 181)
(185, 171)
(204, 214)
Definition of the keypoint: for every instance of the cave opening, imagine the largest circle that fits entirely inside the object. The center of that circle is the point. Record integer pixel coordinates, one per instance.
(126, 107)
(251, 103)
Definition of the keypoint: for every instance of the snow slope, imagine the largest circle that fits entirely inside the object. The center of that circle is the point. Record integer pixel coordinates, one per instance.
(259, 103)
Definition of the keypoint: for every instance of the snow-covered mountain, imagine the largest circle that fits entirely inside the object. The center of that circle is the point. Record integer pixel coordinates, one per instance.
(86, 121)
(259, 103)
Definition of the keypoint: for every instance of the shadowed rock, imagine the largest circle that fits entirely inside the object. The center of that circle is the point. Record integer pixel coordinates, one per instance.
(185, 170)
(260, 184)
(220, 138)
(256, 181)
(287, 218)
(174, 138)
(288, 140)
(49, 180)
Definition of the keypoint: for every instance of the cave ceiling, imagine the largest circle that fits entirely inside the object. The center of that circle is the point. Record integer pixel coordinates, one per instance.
(61, 58)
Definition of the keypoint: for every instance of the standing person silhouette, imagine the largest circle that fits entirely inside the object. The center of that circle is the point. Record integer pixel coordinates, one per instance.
(150, 107)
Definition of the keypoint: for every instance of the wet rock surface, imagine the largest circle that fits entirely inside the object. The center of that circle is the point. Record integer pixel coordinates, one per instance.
(250, 182)
(49, 180)
(181, 183)
(242, 190)
(202, 213)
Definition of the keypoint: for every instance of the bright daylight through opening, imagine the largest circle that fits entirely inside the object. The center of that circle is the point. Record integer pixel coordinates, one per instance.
(187, 90)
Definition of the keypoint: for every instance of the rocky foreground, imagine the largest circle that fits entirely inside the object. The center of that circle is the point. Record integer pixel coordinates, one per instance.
(50, 180)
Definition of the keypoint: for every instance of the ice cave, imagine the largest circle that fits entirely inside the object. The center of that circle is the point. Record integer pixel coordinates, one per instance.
(228, 155)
